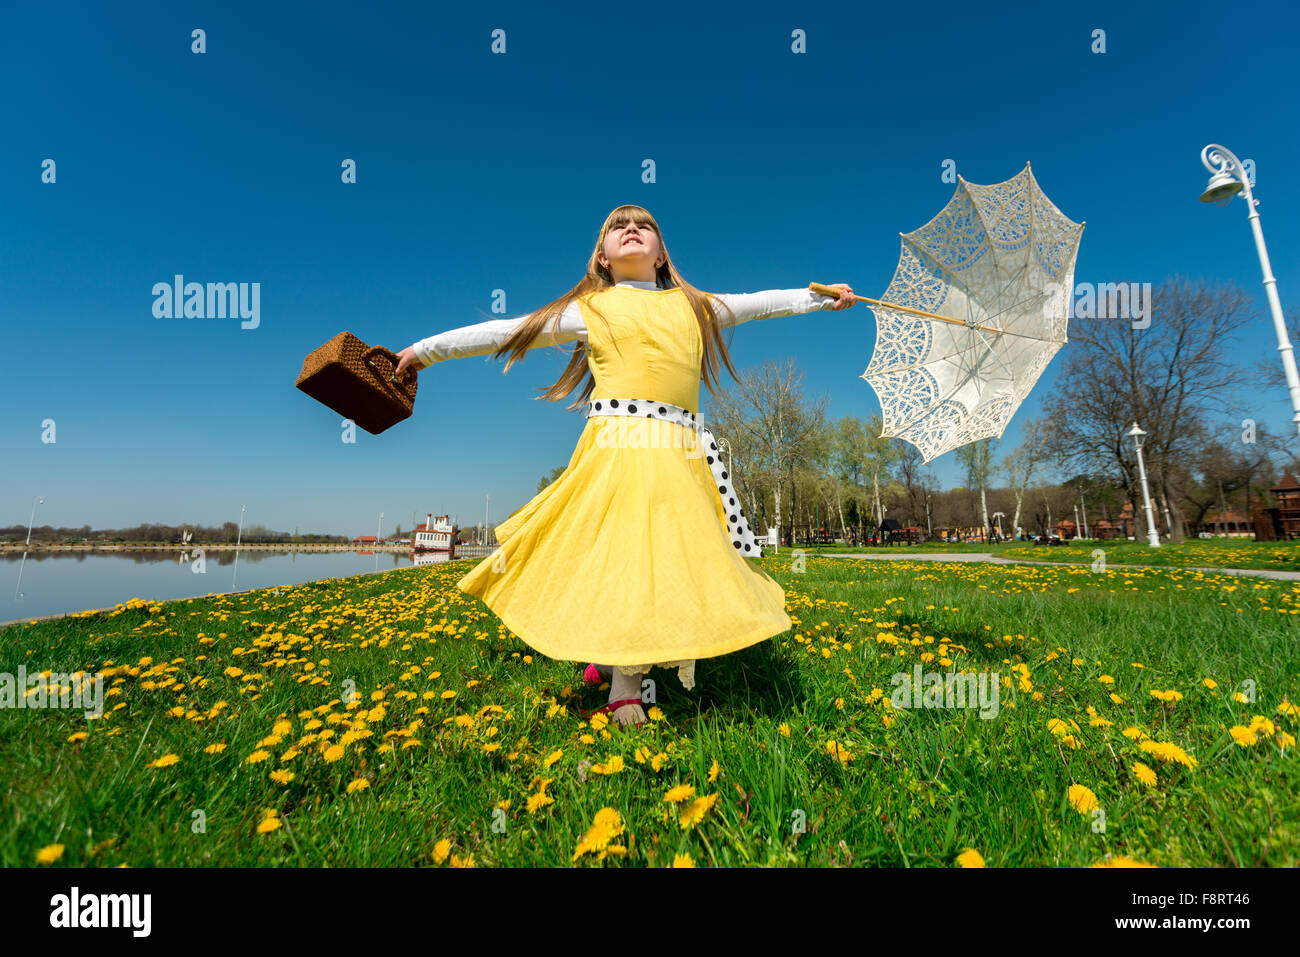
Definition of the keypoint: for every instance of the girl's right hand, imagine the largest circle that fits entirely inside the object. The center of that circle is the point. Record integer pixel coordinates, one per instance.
(407, 358)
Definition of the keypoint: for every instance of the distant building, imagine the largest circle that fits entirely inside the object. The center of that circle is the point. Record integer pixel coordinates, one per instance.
(435, 535)
(1281, 521)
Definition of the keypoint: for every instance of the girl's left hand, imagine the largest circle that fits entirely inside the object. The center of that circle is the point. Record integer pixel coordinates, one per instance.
(847, 298)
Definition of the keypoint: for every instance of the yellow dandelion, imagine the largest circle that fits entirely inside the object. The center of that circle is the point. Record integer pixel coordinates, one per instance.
(166, 761)
(539, 800)
(268, 825)
(441, 850)
(694, 812)
(606, 826)
(655, 714)
(682, 792)
(1120, 861)
(215, 748)
(713, 772)
(970, 858)
(683, 860)
(1168, 753)
(1081, 798)
(1243, 735)
(1210, 683)
(49, 853)
(552, 758)
(357, 784)
(282, 777)
(839, 752)
(332, 753)
(1144, 774)
(1262, 726)
(257, 757)
(466, 861)
(612, 766)
(784, 729)
(1288, 709)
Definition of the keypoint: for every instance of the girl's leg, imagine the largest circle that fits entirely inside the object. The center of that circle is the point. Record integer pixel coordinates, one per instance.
(626, 686)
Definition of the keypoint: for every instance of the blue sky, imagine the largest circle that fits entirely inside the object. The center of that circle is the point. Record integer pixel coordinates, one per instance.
(479, 171)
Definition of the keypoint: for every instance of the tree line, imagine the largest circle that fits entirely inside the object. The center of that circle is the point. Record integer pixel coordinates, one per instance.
(1180, 376)
(152, 532)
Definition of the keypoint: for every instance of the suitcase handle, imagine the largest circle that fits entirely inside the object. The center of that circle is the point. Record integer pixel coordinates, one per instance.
(392, 359)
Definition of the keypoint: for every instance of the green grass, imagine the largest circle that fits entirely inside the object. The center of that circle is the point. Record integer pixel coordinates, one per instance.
(1205, 553)
(920, 785)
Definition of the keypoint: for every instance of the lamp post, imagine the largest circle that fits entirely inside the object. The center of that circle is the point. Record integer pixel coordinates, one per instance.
(39, 500)
(1085, 516)
(1152, 538)
(234, 574)
(1229, 178)
(929, 531)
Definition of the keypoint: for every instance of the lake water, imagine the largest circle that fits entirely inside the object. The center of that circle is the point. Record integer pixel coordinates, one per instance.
(51, 583)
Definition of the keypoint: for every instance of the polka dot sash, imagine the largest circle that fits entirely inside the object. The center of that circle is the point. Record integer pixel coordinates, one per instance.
(741, 537)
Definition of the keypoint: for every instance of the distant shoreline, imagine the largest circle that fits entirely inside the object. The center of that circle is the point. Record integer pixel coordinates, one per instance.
(206, 546)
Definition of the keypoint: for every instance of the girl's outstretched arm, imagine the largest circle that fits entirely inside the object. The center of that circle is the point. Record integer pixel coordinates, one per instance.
(484, 338)
(742, 307)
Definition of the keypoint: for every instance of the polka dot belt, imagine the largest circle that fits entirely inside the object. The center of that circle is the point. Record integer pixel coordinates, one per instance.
(741, 537)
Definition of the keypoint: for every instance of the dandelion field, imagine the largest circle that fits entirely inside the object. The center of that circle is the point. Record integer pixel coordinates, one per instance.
(1145, 717)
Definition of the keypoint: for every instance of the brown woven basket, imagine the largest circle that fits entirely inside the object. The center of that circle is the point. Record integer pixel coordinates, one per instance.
(357, 382)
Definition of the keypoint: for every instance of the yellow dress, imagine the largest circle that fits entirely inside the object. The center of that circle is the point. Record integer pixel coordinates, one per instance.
(626, 558)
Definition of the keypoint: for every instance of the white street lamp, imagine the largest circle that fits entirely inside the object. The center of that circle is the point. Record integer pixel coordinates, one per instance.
(234, 575)
(1229, 179)
(378, 525)
(39, 500)
(997, 517)
(1152, 538)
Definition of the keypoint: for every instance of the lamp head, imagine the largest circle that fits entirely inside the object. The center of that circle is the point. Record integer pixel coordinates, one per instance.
(1136, 434)
(1221, 188)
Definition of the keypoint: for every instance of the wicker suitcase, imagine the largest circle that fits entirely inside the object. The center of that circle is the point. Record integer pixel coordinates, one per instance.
(357, 382)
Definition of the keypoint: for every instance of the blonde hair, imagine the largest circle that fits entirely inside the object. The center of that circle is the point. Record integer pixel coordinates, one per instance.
(598, 278)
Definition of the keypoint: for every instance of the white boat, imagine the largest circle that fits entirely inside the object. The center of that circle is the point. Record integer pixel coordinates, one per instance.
(435, 535)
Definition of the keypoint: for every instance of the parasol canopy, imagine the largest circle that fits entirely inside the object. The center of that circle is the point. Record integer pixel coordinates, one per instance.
(977, 308)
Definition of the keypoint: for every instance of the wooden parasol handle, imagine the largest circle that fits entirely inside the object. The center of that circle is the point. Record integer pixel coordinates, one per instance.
(829, 291)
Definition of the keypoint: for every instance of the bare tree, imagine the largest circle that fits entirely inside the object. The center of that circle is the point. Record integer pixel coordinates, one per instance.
(1020, 464)
(770, 425)
(1169, 377)
(977, 458)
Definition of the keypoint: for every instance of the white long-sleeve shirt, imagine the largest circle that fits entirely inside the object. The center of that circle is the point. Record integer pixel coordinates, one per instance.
(486, 337)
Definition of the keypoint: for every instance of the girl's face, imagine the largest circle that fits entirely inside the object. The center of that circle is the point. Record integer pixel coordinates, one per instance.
(632, 251)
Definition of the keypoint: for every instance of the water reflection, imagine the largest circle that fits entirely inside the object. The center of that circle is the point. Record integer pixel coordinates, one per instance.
(57, 582)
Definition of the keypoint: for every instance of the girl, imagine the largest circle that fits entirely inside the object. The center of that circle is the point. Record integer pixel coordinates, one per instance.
(634, 556)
